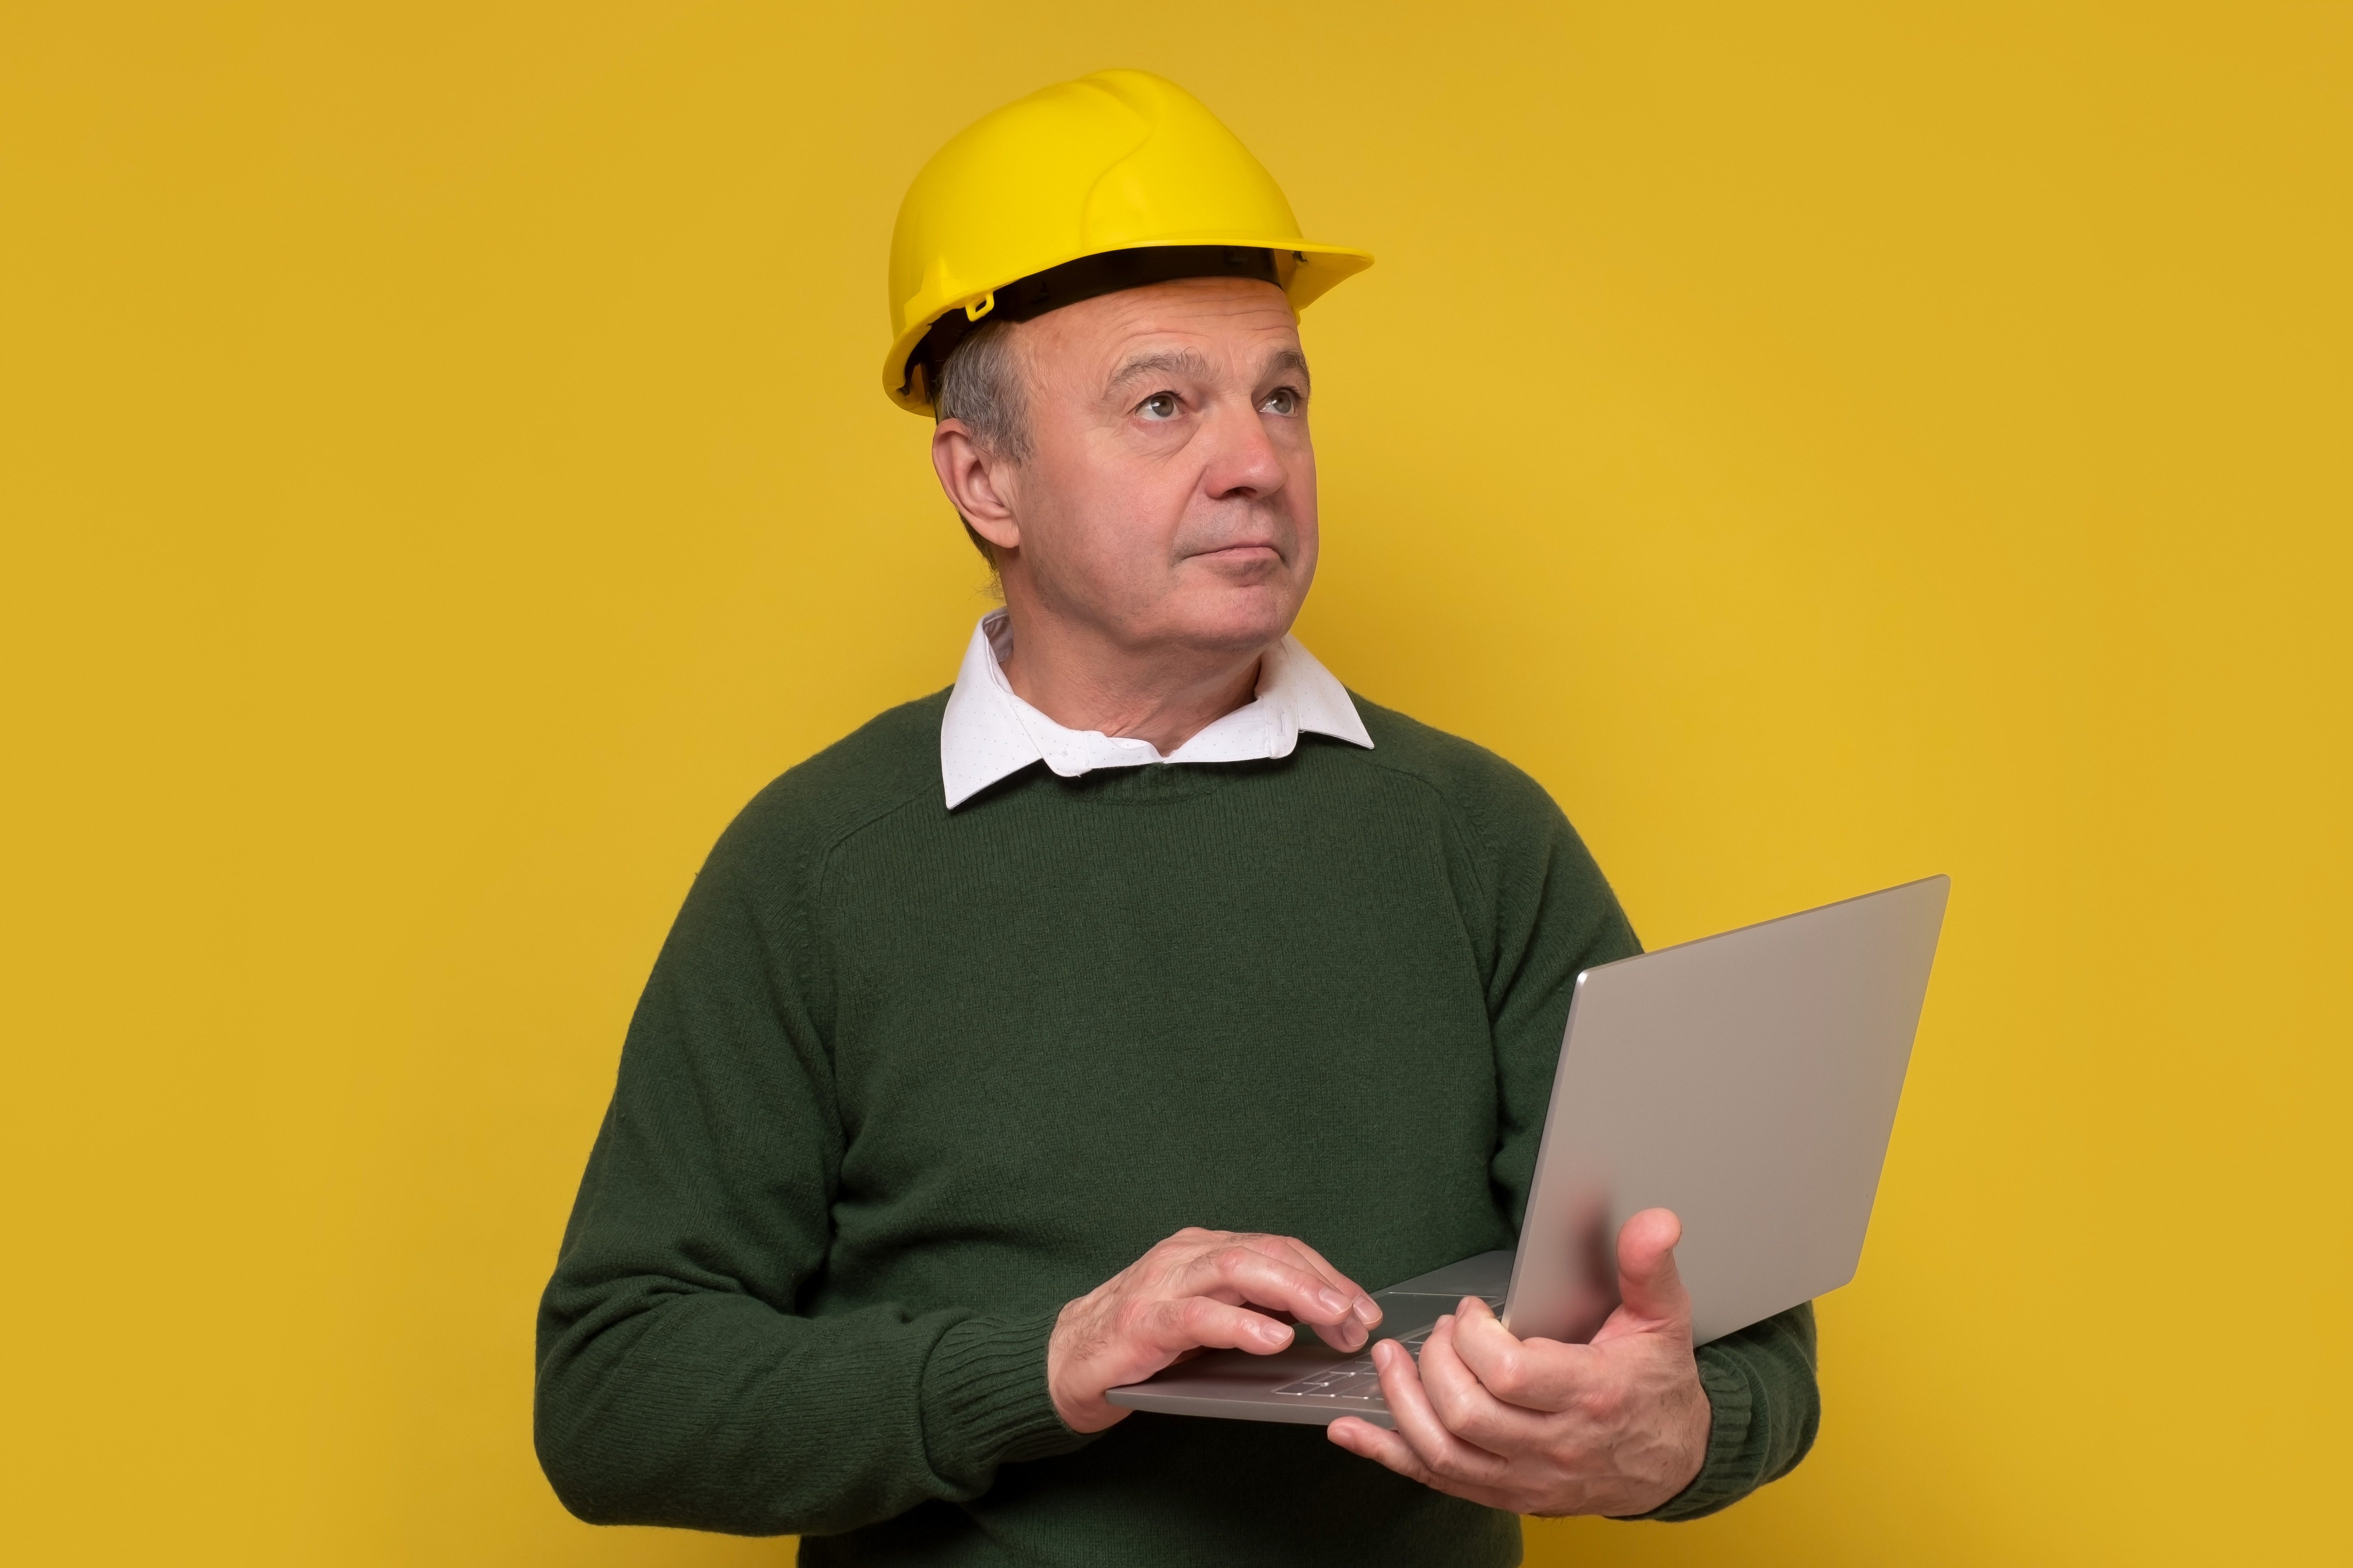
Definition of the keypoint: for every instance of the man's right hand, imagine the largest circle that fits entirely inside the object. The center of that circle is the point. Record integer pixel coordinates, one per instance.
(1188, 1295)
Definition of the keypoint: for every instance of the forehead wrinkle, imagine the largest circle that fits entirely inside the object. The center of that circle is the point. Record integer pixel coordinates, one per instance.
(1179, 362)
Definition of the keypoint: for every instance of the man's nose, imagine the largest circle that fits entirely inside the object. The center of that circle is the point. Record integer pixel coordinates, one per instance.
(1244, 463)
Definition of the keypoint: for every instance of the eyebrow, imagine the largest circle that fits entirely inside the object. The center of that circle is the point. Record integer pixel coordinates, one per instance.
(1287, 359)
(1174, 361)
(1190, 361)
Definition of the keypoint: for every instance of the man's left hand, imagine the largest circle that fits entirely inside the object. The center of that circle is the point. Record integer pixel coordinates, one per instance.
(1616, 1426)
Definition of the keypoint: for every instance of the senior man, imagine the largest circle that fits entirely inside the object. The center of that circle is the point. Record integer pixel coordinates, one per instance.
(1142, 993)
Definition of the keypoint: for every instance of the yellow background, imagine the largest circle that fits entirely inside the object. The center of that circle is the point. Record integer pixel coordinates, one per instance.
(443, 478)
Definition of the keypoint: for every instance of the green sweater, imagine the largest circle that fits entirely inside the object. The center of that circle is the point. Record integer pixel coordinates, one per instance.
(905, 1080)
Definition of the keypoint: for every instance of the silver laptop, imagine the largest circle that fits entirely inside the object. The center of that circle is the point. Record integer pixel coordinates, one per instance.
(1747, 1081)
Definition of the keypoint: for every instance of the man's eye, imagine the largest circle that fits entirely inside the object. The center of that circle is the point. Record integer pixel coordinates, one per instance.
(1284, 401)
(1159, 405)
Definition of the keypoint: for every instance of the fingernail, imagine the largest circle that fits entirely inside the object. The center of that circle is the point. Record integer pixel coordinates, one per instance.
(1333, 1301)
(1368, 1312)
(1274, 1333)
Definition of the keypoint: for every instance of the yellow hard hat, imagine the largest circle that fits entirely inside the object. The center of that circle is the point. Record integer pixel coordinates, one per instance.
(1113, 181)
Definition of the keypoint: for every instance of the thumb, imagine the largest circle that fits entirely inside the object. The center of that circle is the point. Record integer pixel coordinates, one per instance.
(1649, 1286)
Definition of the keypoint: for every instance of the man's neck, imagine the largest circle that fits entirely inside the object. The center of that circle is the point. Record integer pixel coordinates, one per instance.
(1163, 696)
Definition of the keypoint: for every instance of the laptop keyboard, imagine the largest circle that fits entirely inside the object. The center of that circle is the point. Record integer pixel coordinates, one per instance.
(1356, 1382)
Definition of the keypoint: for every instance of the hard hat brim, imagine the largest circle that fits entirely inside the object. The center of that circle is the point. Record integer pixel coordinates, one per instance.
(1312, 270)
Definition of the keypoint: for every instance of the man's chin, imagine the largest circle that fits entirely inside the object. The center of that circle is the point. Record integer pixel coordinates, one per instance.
(1245, 628)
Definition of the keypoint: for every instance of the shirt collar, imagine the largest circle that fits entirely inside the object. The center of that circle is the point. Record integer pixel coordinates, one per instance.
(989, 734)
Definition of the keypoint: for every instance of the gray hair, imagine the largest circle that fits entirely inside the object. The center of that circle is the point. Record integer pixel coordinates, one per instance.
(981, 385)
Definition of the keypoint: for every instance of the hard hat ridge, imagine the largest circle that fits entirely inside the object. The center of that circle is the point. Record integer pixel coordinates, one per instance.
(1113, 181)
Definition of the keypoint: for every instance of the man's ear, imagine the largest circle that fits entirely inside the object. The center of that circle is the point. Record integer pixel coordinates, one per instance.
(976, 483)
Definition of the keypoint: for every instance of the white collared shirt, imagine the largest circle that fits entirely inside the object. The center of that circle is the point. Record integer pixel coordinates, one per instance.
(989, 734)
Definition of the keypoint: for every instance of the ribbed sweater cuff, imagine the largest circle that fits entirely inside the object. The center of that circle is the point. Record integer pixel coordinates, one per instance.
(1725, 1475)
(985, 1399)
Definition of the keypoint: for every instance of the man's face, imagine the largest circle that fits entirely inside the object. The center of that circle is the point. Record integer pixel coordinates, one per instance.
(1169, 497)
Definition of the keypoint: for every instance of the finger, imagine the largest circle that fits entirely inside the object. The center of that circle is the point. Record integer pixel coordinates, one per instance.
(1433, 1443)
(1650, 1289)
(1353, 1329)
(1302, 1256)
(1367, 1310)
(1351, 1332)
(1167, 1327)
(1250, 1274)
(1467, 1408)
(1532, 1375)
(1368, 1441)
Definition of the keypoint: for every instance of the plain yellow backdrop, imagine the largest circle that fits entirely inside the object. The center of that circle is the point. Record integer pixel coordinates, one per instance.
(443, 477)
